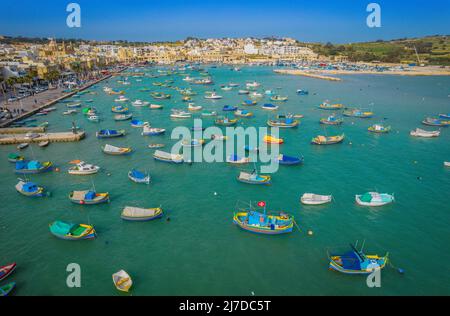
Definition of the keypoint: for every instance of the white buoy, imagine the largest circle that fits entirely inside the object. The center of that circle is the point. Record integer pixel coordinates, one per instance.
(215, 193)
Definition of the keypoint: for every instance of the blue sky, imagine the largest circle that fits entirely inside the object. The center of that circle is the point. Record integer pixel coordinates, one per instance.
(149, 20)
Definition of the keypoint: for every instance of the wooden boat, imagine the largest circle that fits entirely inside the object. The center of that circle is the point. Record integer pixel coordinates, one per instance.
(44, 143)
(229, 108)
(120, 109)
(356, 262)
(123, 117)
(435, 122)
(155, 107)
(379, 129)
(268, 139)
(243, 113)
(213, 96)
(6, 271)
(254, 178)
(283, 123)
(289, 161)
(270, 107)
(139, 103)
(5, 290)
(358, 113)
(328, 106)
(139, 123)
(14, 157)
(262, 223)
(279, 98)
(168, 157)
(136, 214)
(153, 146)
(81, 168)
(193, 142)
(117, 151)
(70, 231)
(122, 281)
(180, 114)
(32, 167)
(150, 131)
(374, 199)
(194, 108)
(225, 122)
(236, 160)
(22, 146)
(331, 120)
(139, 177)
(328, 140)
(30, 189)
(426, 134)
(249, 103)
(160, 96)
(88, 197)
(315, 199)
(110, 133)
(209, 114)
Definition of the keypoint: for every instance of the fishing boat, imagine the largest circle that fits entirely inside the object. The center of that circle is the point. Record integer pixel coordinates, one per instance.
(243, 113)
(193, 108)
(315, 199)
(358, 113)
(356, 262)
(209, 114)
(123, 117)
(249, 103)
(256, 95)
(82, 168)
(13, 157)
(283, 123)
(69, 112)
(446, 163)
(226, 88)
(110, 133)
(374, 199)
(268, 139)
(88, 197)
(328, 106)
(252, 85)
(6, 271)
(379, 129)
(193, 142)
(426, 134)
(140, 103)
(229, 108)
(121, 99)
(289, 161)
(70, 231)
(32, 167)
(138, 176)
(6, 289)
(225, 122)
(150, 131)
(178, 114)
(233, 85)
(331, 120)
(136, 214)
(94, 118)
(30, 189)
(155, 107)
(254, 178)
(328, 140)
(119, 109)
(122, 281)
(117, 151)
(73, 105)
(160, 96)
(302, 92)
(243, 92)
(435, 122)
(236, 160)
(270, 107)
(263, 223)
(444, 116)
(44, 143)
(213, 96)
(279, 98)
(204, 81)
(139, 123)
(168, 157)
(187, 99)
(22, 146)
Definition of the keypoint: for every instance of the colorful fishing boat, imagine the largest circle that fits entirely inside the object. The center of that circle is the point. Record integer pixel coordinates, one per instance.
(5, 290)
(315, 199)
(331, 120)
(136, 214)
(14, 157)
(122, 281)
(32, 167)
(168, 157)
(374, 199)
(82, 168)
(435, 122)
(123, 117)
(154, 146)
(226, 122)
(160, 96)
(284, 123)
(302, 92)
(423, 133)
(270, 107)
(178, 114)
(110, 133)
(151, 131)
(72, 232)
(328, 106)
(289, 161)
(444, 116)
(88, 197)
(193, 142)
(139, 103)
(120, 109)
(30, 189)
(327, 140)
(356, 262)
(358, 113)
(243, 113)
(254, 178)
(139, 177)
(249, 103)
(6, 271)
(236, 160)
(116, 151)
(229, 108)
(379, 129)
(268, 139)
(139, 123)
(194, 108)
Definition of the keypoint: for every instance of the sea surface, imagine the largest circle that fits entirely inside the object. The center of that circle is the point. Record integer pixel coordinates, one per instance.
(199, 251)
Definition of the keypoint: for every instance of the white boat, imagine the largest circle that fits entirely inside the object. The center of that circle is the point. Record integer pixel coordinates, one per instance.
(374, 199)
(253, 84)
(121, 99)
(22, 146)
(193, 107)
(180, 114)
(122, 281)
(151, 131)
(69, 112)
(155, 106)
(213, 96)
(256, 95)
(188, 79)
(226, 88)
(208, 114)
(94, 118)
(315, 199)
(447, 163)
(139, 103)
(82, 168)
(244, 92)
(423, 133)
(168, 157)
(236, 160)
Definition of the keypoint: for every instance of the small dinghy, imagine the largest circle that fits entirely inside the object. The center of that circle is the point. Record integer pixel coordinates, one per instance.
(140, 103)
(270, 107)
(236, 160)
(268, 139)
(226, 122)
(229, 108)
(5, 290)
(22, 146)
(139, 177)
(155, 107)
(150, 131)
(44, 143)
(122, 281)
(426, 134)
(176, 114)
(208, 114)
(289, 161)
(213, 96)
(328, 140)
(82, 168)
(331, 120)
(30, 189)
(7, 270)
(194, 108)
(119, 109)
(435, 122)
(279, 98)
(32, 167)
(13, 157)
(243, 92)
(139, 123)
(136, 214)
(243, 113)
(123, 117)
(379, 129)
(263, 223)
(254, 178)
(447, 163)
(88, 197)
(121, 99)
(69, 231)
(249, 103)
(110, 133)
(193, 142)
(374, 199)
(168, 157)
(73, 105)
(160, 96)
(116, 151)
(315, 199)
(328, 106)
(154, 146)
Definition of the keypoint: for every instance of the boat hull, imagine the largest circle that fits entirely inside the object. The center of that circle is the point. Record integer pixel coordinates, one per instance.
(7, 270)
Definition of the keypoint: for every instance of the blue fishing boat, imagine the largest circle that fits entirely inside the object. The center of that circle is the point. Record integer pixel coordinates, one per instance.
(69, 231)
(30, 189)
(302, 92)
(110, 133)
(138, 123)
(249, 103)
(444, 116)
(229, 108)
(88, 197)
(139, 177)
(32, 167)
(331, 120)
(430, 121)
(290, 161)
(150, 131)
(254, 178)
(270, 107)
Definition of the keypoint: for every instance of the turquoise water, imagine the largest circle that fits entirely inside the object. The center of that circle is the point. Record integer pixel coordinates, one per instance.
(199, 251)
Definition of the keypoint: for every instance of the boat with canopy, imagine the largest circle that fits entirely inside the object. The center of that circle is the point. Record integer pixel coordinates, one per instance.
(249, 103)
(139, 177)
(30, 189)
(328, 106)
(331, 120)
(289, 161)
(136, 214)
(315, 199)
(88, 197)
(379, 129)
(116, 151)
(287, 122)
(374, 199)
(32, 167)
(243, 113)
(110, 133)
(72, 232)
(138, 123)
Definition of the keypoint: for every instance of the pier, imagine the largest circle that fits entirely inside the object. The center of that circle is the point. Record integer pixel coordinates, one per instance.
(62, 137)
(21, 130)
(305, 74)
